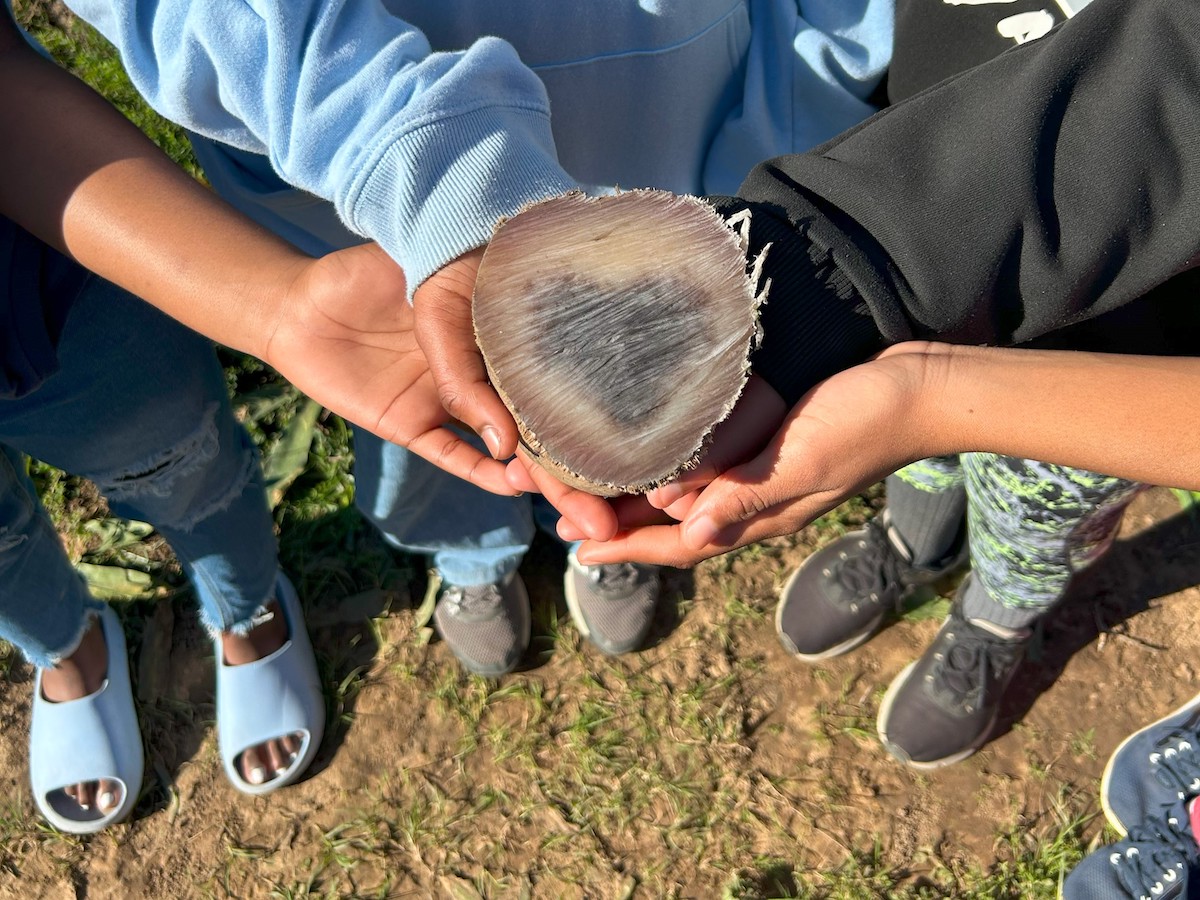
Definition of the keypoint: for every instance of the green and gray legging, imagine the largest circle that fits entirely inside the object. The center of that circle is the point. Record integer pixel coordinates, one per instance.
(1030, 524)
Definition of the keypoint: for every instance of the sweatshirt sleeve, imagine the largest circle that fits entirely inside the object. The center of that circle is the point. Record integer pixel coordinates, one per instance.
(417, 150)
(1057, 182)
(810, 70)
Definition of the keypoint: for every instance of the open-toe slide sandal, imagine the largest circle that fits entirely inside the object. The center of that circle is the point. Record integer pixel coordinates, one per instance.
(90, 739)
(270, 698)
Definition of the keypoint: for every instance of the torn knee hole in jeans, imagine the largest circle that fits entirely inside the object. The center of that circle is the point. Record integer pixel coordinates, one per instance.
(159, 475)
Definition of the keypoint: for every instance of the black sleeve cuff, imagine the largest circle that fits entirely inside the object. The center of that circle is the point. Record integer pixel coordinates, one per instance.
(814, 321)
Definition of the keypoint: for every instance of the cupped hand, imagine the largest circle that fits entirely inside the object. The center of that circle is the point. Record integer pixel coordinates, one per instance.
(347, 338)
(447, 336)
(747, 429)
(848, 432)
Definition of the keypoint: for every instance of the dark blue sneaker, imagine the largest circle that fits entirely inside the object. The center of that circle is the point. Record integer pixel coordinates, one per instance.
(1155, 861)
(1153, 768)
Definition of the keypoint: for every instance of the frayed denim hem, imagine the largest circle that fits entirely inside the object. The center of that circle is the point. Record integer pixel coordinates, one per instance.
(91, 610)
(242, 627)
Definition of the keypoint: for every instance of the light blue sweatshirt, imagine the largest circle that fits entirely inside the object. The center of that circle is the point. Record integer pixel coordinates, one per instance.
(425, 121)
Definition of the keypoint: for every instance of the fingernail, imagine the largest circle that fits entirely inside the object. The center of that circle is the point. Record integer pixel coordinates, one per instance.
(700, 532)
(665, 496)
(257, 775)
(491, 437)
(107, 800)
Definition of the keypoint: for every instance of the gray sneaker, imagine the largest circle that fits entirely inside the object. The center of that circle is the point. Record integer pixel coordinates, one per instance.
(612, 606)
(485, 625)
(941, 708)
(841, 595)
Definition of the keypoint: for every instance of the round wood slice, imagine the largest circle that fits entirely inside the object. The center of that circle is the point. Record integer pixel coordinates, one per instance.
(617, 330)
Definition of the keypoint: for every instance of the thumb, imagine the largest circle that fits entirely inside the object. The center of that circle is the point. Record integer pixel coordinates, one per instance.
(444, 331)
(737, 496)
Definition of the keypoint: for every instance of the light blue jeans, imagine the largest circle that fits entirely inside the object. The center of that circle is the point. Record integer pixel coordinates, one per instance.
(471, 536)
(139, 406)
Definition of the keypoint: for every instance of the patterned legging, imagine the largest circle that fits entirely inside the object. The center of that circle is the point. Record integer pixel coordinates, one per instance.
(1030, 524)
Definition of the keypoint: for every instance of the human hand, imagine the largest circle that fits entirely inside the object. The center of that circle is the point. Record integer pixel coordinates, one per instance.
(442, 305)
(346, 337)
(747, 429)
(850, 431)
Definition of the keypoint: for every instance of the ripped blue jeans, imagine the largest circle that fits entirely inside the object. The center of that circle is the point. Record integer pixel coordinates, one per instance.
(139, 406)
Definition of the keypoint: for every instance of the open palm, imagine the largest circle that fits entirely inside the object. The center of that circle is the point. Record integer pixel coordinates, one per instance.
(347, 339)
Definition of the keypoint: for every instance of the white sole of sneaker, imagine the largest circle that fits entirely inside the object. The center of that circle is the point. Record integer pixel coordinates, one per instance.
(573, 599)
(885, 707)
(1106, 778)
(844, 647)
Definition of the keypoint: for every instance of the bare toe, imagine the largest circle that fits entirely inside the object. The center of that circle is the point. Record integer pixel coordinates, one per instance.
(253, 766)
(276, 759)
(291, 745)
(108, 795)
(85, 794)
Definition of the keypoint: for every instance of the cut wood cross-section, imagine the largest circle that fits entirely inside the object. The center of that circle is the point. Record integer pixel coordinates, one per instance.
(618, 331)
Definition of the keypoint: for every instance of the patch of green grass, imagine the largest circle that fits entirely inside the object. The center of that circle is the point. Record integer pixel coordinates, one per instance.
(1084, 744)
(1038, 858)
(1034, 862)
(849, 515)
(1187, 499)
(851, 712)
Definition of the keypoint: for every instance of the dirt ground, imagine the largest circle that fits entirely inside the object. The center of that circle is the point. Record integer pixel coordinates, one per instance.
(667, 773)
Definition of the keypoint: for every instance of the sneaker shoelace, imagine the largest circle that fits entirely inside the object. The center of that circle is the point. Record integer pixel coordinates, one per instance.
(974, 656)
(877, 573)
(614, 579)
(1177, 764)
(474, 600)
(1157, 852)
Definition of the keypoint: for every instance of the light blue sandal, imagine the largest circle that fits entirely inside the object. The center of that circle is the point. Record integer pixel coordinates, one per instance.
(275, 696)
(95, 737)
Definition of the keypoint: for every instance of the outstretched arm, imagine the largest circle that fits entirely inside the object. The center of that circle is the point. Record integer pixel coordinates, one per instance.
(1004, 204)
(1122, 415)
(76, 174)
(419, 151)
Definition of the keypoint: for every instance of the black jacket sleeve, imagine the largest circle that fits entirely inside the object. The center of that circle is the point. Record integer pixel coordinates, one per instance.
(1053, 184)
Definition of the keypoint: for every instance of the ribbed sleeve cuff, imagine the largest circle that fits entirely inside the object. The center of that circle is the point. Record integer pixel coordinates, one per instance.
(814, 322)
(439, 190)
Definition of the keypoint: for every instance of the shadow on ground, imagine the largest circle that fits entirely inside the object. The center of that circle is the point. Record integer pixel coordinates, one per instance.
(1160, 560)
